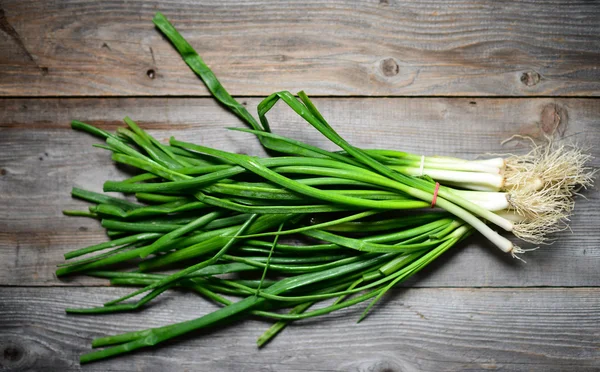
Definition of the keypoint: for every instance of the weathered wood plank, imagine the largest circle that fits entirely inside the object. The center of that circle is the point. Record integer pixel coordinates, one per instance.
(413, 330)
(379, 47)
(41, 159)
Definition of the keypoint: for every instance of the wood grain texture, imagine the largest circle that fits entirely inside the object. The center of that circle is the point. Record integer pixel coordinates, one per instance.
(412, 330)
(371, 48)
(41, 158)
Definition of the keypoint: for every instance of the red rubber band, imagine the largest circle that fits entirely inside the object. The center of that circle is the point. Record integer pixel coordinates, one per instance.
(435, 192)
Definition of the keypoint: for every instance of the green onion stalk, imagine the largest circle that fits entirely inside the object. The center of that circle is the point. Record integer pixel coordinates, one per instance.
(280, 234)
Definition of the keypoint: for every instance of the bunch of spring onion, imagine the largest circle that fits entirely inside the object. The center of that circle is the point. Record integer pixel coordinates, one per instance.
(302, 227)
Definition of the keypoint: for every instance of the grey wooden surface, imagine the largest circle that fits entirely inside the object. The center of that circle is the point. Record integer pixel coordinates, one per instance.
(333, 47)
(426, 329)
(476, 309)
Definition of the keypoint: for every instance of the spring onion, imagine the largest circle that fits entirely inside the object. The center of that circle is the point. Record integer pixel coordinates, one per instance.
(305, 225)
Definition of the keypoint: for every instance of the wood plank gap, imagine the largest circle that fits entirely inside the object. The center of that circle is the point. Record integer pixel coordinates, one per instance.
(431, 96)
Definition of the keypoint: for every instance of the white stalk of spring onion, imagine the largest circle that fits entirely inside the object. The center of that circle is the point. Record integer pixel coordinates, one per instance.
(488, 180)
(490, 205)
(511, 216)
(499, 163)
(467, 166)
(494, 162)
(492, 201)
(469, 176)
(473, 187)
(483, 204)
(468, 212)
(501, 242)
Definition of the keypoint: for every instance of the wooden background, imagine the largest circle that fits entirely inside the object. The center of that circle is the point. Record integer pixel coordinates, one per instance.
(453, 77)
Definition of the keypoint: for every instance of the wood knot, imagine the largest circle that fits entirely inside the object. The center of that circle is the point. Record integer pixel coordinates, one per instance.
(553, 119)
(44, 71)
(385, 366)
(384, 2)
(389, 67)
(12, 354)
(530, 78)
(2, 172)
(151, 74)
